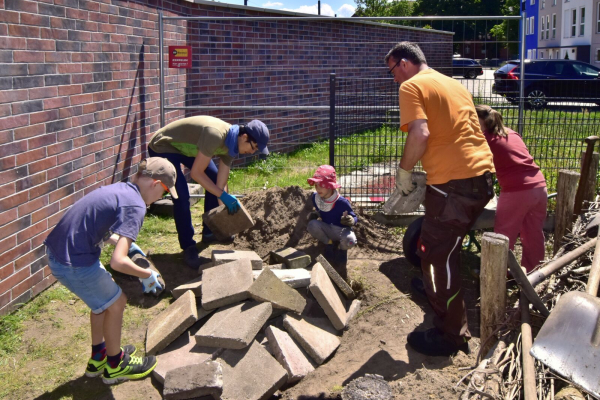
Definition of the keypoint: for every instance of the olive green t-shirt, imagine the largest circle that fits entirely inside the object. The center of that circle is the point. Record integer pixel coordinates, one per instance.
(191, 135)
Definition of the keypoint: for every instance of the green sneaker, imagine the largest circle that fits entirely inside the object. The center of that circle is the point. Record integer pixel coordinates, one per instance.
(128, 369)
(96, 368)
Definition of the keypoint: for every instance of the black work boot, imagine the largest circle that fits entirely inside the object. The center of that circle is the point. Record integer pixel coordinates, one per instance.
(190, 256)
(433, 342)
(329, 253)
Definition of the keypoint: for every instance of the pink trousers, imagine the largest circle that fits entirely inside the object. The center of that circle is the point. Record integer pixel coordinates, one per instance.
(523, 214)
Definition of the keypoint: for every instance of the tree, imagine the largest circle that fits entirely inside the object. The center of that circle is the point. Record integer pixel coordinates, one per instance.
(384, 8)
(457, 7)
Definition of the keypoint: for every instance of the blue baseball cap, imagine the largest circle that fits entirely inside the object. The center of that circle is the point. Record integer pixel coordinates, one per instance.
(259, 131)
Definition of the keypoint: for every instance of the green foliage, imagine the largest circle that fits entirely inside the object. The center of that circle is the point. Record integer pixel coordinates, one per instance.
(384, 8)
(273, 163)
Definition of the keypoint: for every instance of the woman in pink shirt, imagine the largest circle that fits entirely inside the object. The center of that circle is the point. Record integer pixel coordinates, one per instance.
(523, 200)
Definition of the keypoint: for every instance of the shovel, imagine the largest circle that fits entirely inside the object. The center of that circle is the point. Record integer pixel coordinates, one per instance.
(569, 340)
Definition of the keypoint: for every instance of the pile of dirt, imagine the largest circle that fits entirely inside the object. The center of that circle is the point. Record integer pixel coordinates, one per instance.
(281, 215)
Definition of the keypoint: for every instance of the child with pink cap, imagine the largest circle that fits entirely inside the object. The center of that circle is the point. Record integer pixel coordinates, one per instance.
(331, 223)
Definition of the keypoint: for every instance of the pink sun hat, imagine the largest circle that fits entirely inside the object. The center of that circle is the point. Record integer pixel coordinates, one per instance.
(325, 176)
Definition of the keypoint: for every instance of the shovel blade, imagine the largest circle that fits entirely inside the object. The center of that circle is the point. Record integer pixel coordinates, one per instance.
(568, 342)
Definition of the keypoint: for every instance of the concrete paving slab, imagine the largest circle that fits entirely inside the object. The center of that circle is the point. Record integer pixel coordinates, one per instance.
(181, 352)
(250, 374)
(323, 290)
(267, 287)
(234, 327)
(291, 257)
(295, 278)
(335, 277)
(353, 310)
(171, 323)
(195, 285)
(225, 256)
(289, 355)
(205, 379)
(226, 284)
(274, 266)
(223, 225)
(316, 336)
(165, 206)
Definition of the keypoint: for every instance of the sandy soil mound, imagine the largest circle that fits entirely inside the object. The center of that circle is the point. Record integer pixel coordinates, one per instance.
(280, 215)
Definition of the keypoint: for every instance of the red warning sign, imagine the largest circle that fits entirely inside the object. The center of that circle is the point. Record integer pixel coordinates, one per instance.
(180, 56)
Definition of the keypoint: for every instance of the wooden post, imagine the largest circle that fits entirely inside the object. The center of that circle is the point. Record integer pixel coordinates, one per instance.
(589, 193)
(565, 203)
(494, 261)
(529, 384)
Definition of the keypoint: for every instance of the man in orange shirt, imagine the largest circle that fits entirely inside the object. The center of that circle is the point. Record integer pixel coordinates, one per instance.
(444, 134)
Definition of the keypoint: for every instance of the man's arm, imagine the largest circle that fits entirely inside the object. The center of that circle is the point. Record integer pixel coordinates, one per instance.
(122, 263)
(416, 144)
(200, 164)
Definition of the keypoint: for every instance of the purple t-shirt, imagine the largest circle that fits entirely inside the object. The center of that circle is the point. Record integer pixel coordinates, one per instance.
(76, 240)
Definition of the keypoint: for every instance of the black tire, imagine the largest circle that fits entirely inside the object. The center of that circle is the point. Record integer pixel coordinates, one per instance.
(471, 74)
(410, 242)
(536, 98)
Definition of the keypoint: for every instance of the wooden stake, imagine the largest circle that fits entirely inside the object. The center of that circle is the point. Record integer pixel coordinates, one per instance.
(565, 203)
(589, 192)
(494, 260)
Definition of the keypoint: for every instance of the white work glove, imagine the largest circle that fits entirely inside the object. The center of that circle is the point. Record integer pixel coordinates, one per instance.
(404, 182)
(151, 283)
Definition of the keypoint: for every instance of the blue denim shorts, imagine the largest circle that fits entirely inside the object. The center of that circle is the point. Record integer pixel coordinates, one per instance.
(94, 285)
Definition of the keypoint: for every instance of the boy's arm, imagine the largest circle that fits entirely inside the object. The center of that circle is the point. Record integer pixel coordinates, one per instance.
(122, 263)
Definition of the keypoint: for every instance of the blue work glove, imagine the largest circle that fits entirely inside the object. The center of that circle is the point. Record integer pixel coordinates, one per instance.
(134, 249)
(232, 204)
(151, 284)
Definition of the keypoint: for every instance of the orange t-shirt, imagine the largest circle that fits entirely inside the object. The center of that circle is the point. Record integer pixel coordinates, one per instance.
(456, 148)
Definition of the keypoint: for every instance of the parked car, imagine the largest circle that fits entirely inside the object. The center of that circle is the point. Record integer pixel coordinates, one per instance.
(466, 67)
(549, 81)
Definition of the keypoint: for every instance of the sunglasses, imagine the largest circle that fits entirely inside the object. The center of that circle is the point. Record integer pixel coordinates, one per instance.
(395, 65)
(163, 185)
(252, 146)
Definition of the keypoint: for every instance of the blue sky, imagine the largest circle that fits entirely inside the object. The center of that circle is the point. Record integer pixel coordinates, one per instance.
(343, 8)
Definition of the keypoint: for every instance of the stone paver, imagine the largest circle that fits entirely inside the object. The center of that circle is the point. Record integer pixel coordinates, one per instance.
(223, 225)
(250, 374)
(316, 336)
(291, 257)
(323, 290)
(335, 277)
(165, 206)
(171, 323)
(270, 288)
(195, 380)
(287, 352)
(195, 285)
(234, 327)
(295, 278)
(225, 256)
(274, 266)
(353, 310)
(183, 351)
(226, 284)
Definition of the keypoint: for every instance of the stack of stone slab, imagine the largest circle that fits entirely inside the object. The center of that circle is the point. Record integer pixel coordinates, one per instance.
(218, 355)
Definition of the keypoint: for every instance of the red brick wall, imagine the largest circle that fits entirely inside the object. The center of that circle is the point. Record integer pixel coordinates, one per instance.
(79, 98)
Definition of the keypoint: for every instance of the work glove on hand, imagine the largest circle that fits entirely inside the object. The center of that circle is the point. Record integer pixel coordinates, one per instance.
(313, 215)
(232, 204)
(347, 220)
(404, 182)
(151, 284)
(135, 249)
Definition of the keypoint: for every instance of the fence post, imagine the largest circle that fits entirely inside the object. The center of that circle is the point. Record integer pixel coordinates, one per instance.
(521, 127)
(494, 261)
(566, 189)
(590, 185)
(332, 120)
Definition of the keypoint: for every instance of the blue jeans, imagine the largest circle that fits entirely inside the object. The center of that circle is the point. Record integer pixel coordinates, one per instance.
(181, 206)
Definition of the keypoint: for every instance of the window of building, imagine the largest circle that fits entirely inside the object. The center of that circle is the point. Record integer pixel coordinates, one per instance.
(529, 54)
(597, 56)
(541, 55)
(532, 2)
(598, 17)
(553, 26)
(534, 53)
(553, 3)
(573, 22)
(547, 26)
(543, 29)
(532, 25)
(581, 21)
(543, 4)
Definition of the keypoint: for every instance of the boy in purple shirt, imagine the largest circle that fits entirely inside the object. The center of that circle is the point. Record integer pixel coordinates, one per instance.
(113, 214)
(334, 229)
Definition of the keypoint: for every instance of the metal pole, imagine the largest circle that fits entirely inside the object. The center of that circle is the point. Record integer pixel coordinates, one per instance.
(350, 19)
(161, 68)
(332, 119)
(522, 74)
(319, 6)
(245, 2)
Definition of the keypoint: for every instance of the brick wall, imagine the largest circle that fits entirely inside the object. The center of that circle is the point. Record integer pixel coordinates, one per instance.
(79, 98)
